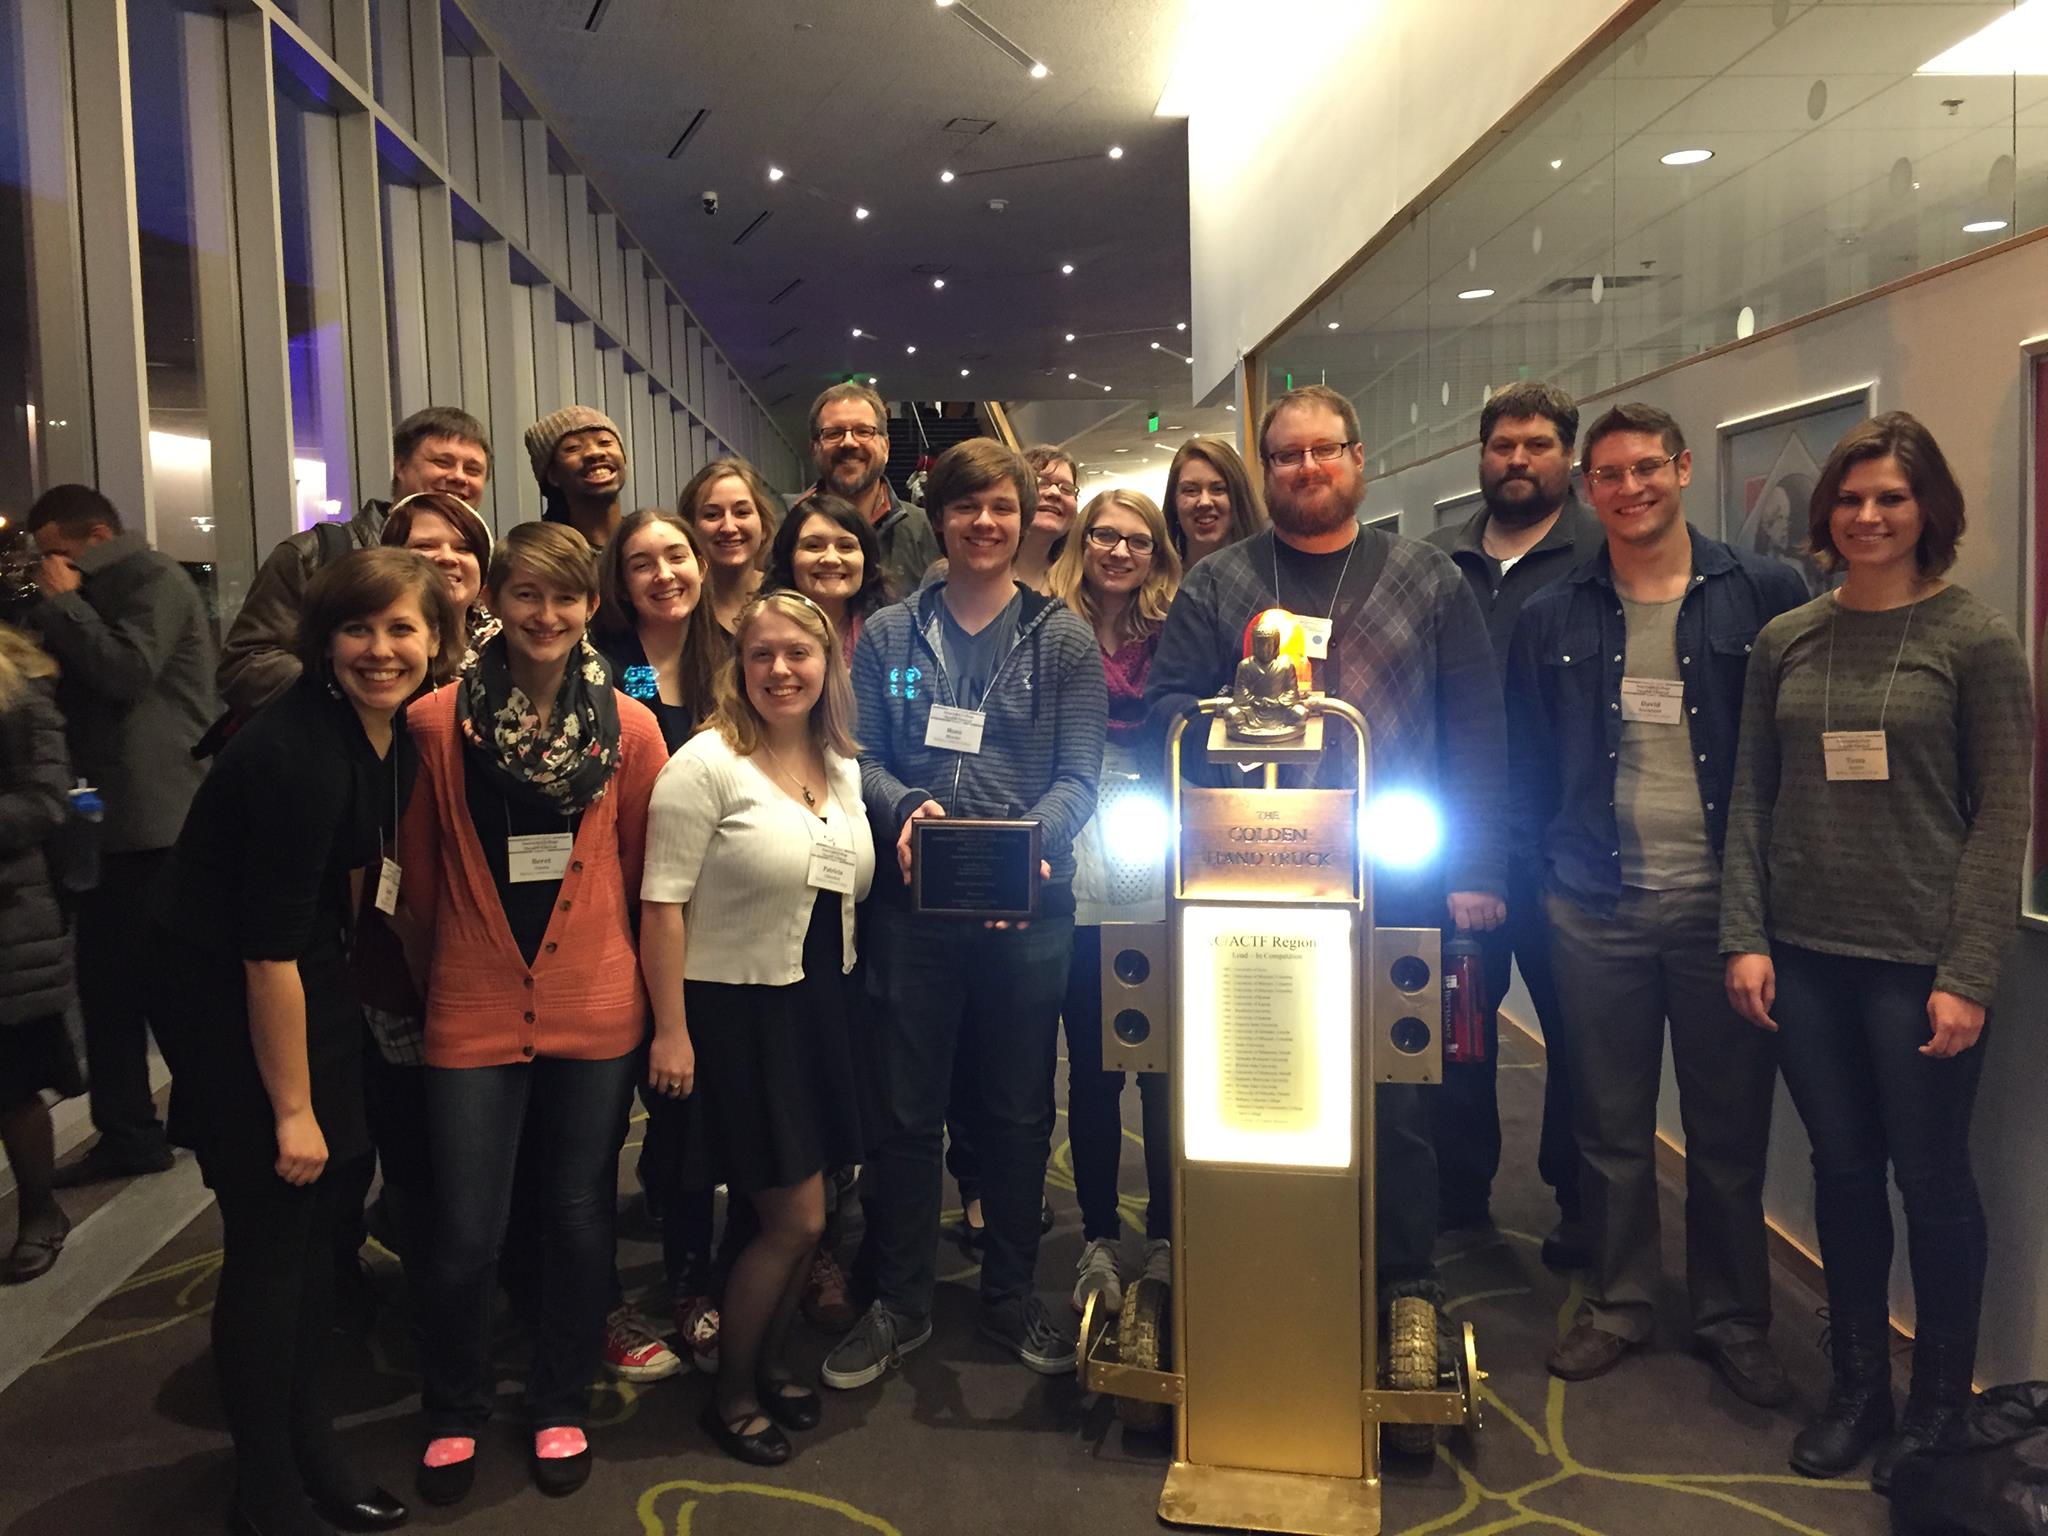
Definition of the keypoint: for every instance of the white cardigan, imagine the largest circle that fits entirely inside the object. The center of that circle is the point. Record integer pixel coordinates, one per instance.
(725, 839)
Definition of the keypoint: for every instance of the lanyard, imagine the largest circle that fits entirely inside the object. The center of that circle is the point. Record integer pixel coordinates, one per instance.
(1828, 687)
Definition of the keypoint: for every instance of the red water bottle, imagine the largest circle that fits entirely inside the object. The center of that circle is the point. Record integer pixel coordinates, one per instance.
(1464, 984)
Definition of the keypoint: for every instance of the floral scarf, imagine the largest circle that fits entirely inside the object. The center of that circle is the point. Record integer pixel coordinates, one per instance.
(562, 770)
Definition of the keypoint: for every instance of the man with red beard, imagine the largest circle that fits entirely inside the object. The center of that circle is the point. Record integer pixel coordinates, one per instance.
(1403, 641)
(850, 446)
(580, 462)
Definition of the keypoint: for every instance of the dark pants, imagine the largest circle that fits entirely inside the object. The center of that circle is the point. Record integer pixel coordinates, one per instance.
(686, 1214)
(953, 983)
(270, 1342)
(1849, 1035)
(113, 996)
(570, 1113)
(1621, 976)
(1465, 1110)
(1095, 1124)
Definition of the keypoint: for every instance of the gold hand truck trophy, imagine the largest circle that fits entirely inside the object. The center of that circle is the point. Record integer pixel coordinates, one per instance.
(1277, 1006)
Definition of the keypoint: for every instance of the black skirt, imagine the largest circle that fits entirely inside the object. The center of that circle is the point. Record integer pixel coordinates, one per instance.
(36, 1055)
(785, 1088)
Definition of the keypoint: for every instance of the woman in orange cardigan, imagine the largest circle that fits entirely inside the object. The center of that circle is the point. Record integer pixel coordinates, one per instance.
(522, 858)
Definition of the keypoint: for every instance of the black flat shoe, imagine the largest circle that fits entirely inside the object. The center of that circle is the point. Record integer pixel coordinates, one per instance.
(791, 1406)
(560, 1476)
(767, 1448)
(446, 1485)
(377, 1510)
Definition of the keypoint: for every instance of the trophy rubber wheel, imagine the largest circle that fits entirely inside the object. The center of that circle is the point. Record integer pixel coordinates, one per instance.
(1141, 1341)
(1411, 1367)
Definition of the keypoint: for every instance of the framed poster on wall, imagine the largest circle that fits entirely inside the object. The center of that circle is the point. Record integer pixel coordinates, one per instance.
(2034, 437)
(1769, 466)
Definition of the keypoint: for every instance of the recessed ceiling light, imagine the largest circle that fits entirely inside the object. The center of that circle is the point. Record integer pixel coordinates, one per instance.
(775, 173)
(1105, 389)
(1116, 151)
(1333, 325)
(856, 330)
(1181, 325)
(1039, 71)
(945, 176)
(874, 378)
(1983, 226)
(1476, 293)
(909, 351)
(1066, 269)
(963, 373)
(938, 282)
(1687, 156)
(860, 213)
(1230, 408)
(1070, 335)
(1155, 346)
(1123, 450)
(1557, 165)
(942, 4)
(1073, 376)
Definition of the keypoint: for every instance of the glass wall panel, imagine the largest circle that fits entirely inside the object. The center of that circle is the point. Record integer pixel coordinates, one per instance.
(316, 318)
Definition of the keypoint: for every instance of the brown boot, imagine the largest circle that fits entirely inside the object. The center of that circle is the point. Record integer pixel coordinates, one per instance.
(1586, 1352)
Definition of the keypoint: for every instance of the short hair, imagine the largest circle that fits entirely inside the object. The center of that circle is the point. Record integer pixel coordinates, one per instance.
(1146, 611)
(971, 467)
(1247, 511)
(1632, 416)
(367, 581)
(874, 580)
(1529, 398)
(553, 552)
(1898, 436)
(457, 513)
(1042, 456)
(703, 645)
(77, 509)
(735, 718)
(438, 421)
(1319, 395)
(766, 502)
(850, 391)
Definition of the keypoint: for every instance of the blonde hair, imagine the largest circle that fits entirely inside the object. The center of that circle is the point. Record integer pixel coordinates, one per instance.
(22, 662)
(735, 718)
(552, 552)
(1146, 610)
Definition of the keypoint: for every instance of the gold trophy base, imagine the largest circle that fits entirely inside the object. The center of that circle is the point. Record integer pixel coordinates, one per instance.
(1270, 1501)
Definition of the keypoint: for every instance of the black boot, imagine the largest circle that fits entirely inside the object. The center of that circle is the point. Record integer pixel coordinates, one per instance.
(1859, 1409)
(1941, 1390)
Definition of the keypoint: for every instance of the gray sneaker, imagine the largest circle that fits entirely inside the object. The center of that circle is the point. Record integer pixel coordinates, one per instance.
(1096, 1275)
(876, 1346)
(1159, 1260)
(1026, 1329)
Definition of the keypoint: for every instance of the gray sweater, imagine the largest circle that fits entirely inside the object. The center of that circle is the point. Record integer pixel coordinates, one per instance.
(1922, 868)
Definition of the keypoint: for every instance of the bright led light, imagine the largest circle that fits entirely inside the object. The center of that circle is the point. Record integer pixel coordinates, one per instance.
(942, 4)
(909, 351)
(1105, 389)
(1155, 346)
(1557, 165)
(1066, 269)
(945, 176)
(1116, 151)
(1137, 833)
(2015, 43)
(1687, 156)
(860, 213)
(1073, 376)
(1476, 293)
(1070, 335)
(1180, 325)
(1401, 829)
(963, 373)
(856, 330)
(775, 173)
(1333, 325)
(1039, 71)
(1983, 226)
(938, 282)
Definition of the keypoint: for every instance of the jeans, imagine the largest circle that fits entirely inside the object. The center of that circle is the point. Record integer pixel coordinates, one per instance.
(1849, 1035)
(113, 996)
(1621, 976)
(1095, 1126)
(998, 991)
(570, 1113)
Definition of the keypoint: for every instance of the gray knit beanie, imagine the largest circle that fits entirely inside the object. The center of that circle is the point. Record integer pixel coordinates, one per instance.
(544, 434)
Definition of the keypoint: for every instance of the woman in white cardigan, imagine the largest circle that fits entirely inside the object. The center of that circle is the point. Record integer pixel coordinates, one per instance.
(757, 849)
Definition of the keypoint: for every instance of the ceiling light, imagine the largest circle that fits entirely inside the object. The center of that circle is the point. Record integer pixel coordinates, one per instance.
(1066, 269)
(1072, 376)
(1039, 71)
(1230, 408)
(860, 213)
(1155, 346)
(1476, 293)
(1181, 326)
(874, 378)
(945, 176)
(2016, 43)
(1557, 165)
(942, 4)
(963, 373)
(909, 351)
(1983, 226)
(775, 173)
(856, 330)
(1105, 389)
(1687, 156)
(938, 282)
(1070, 335)
(1123, 450)
(1333, 325)
(1116, 151)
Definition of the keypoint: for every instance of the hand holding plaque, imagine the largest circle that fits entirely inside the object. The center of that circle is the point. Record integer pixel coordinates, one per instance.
(970, 867)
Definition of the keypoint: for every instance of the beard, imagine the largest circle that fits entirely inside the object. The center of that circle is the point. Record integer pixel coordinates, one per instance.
(1314, 510)
(1536, 501)
(851, 475)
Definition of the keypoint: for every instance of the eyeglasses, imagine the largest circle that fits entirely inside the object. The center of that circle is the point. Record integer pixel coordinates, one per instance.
(1107, 539)
(860, 434)
(1064, 487)
(1322, 453)
(1643, 469)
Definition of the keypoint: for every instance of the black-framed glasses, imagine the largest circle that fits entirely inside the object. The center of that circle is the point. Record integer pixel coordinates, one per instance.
(1064, 487)
(1107, 539)
(1322, 453)
(1643, 469)
(862, 433)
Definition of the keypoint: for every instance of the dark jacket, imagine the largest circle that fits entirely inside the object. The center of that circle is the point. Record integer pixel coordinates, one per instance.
(256, 660)
(137, 687)
(1564, 706)
(35, 772)
(1573, 539)
(910, 545)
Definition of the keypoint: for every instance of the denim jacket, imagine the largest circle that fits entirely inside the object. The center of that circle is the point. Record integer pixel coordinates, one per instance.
(1564, 706)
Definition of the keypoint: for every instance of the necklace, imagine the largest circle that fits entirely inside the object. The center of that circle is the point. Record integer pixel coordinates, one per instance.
(810, 799)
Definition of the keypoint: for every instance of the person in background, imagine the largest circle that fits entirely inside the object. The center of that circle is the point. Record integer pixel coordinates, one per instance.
(1120, 575)
(1875, 843)
(36, 979)
(758, 848)
(827, 551)
(1210, 500)
(1051, 518)
(522, 877)
(128, 628)
(1530, 532)
(448, 532)
(439, 449)
(580, 461)
(734, 513)
(850, 447)
(262, 1022)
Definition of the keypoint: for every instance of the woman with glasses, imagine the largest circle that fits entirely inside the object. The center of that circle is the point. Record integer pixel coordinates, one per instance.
(1875, 842)
(733, 511)
(1120, 575)
(1051, 518)
(827, 551)
(1210, 500)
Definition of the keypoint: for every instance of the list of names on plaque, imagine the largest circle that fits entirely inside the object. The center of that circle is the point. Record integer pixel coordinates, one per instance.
(1263, 1039)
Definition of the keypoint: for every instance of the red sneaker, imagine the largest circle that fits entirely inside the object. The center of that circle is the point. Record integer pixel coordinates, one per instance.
(633, 1351)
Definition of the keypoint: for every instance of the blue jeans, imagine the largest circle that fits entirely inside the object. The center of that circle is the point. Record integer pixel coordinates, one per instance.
(571, 1111)
(1849, 1038)
(950, 981)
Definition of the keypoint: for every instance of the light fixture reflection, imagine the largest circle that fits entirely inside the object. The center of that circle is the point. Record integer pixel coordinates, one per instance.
(1687, 157)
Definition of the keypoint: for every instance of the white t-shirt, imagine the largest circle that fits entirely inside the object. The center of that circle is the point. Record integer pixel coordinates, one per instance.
(725, 840)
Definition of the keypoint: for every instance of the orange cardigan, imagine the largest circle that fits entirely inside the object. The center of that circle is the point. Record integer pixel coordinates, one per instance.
(582, 998)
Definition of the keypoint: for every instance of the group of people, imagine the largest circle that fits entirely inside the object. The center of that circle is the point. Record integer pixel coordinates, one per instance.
(499, 833)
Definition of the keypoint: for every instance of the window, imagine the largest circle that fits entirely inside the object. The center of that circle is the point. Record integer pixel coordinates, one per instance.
(316, 318)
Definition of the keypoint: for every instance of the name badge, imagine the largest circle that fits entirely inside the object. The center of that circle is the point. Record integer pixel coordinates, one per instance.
(1855, 756)
(1315, 634)
(539, 856)
(1652, 701)
(956, 729)
(387, 887)
(831, 868)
